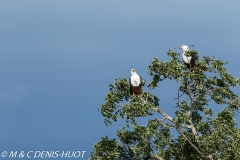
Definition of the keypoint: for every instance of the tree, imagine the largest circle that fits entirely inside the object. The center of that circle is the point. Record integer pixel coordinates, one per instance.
(201, 133)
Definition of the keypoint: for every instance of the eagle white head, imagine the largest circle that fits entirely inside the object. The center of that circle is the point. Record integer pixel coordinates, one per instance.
(184, 48)
(133, 72)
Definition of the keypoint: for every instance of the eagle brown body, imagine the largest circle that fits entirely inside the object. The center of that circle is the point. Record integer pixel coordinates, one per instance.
(135, 90)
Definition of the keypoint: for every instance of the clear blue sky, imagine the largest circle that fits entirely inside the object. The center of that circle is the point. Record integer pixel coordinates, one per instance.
(58, 57)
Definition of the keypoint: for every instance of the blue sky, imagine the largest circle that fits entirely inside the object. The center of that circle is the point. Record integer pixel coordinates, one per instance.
(58, 58)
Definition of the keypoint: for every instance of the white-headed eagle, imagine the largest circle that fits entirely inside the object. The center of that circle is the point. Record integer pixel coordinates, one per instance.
(135, 83)
(188, 60)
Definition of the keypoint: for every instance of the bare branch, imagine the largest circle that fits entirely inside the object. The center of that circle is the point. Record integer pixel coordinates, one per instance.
(171, 119)
(202, 155)
(180, 132)
(124, 104)
(157, 157)
(179, 80)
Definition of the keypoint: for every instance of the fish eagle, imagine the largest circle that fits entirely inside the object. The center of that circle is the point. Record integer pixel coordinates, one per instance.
(135, 83)
(188, 60)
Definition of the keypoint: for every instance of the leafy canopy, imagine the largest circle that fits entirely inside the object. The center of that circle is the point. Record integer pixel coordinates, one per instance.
(201, 134)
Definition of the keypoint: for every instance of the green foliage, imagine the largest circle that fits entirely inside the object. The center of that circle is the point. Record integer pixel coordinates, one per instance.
(201, 133)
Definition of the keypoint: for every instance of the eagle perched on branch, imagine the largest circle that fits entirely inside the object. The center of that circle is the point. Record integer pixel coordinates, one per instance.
(188, 60)
(135, 83)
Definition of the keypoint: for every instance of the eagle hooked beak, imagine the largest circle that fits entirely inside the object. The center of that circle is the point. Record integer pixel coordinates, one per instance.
(181, 47)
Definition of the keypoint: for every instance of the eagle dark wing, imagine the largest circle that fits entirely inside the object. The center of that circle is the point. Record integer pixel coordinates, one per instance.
(192, 62)
(140, 81)
(194, 59)
(131, 92)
